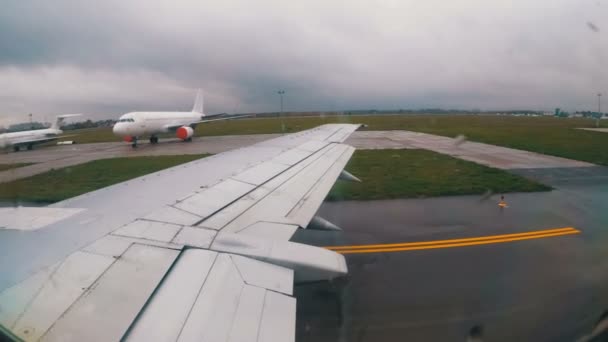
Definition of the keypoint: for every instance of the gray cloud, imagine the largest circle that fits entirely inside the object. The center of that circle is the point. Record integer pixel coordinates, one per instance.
(114, 56)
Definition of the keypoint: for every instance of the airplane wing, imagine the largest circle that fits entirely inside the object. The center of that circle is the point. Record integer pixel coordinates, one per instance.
(223, 118)
(199, 251)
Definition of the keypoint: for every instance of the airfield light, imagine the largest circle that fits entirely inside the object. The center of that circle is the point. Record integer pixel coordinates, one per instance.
(599, 109)
(281, 93)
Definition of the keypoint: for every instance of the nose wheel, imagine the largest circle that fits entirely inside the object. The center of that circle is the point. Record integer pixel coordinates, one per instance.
(153, 140)
(134, 142)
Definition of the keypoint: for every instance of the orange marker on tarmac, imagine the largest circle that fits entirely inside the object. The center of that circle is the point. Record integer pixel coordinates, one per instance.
(502, 204)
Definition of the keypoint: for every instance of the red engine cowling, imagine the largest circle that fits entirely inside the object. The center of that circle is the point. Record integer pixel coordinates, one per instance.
(185, 132)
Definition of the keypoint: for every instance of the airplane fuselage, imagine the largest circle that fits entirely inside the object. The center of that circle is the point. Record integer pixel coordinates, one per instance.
(143, 124)
(28, 138)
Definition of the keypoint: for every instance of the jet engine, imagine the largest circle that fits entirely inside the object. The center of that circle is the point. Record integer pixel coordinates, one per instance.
(185, 132)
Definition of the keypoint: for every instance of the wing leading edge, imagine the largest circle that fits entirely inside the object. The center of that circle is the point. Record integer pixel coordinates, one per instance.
(213, 265)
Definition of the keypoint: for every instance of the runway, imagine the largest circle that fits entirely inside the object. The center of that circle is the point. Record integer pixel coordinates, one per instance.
(54, 157)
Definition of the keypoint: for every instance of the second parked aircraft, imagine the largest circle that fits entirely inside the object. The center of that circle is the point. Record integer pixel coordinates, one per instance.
(136, 125)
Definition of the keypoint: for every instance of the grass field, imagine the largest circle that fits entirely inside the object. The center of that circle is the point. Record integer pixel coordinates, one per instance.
(4, 167)
(60, 184)
(385, 174)
(389, 174)
(91, 135)
(548, 135)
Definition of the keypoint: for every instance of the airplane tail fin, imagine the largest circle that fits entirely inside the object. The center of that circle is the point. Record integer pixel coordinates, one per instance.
(59, 120)
(198, 103)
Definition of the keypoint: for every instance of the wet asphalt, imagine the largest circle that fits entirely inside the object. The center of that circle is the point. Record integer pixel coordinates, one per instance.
(547, 289)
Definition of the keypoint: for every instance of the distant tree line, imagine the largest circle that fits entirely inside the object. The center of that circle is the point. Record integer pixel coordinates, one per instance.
(110, 122)
(589, 114)
(88, 124)
(399, 111)
(25, 126)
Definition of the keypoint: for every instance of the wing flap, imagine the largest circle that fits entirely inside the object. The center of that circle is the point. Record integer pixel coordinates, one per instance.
(150, 293)
(107, 309)
(246, 324)
(62, 288)
(278, 318)
(271, 230)
(195, 237)
(261, 274)
(166, 313)
(15, 300)
(223, 299)
(214, 309)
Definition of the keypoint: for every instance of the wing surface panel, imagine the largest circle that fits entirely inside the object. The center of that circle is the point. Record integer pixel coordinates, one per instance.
(209, 255)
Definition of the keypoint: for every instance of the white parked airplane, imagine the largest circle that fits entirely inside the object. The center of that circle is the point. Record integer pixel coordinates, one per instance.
(197, 252)
(135, 125)
(28, 139)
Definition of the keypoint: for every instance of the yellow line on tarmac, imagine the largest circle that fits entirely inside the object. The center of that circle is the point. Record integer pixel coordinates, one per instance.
(434, 242)
(408, 246)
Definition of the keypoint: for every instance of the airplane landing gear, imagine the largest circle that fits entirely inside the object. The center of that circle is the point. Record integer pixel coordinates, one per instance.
(153, 140)
(16, 148)
(134, 142)
(188, 140)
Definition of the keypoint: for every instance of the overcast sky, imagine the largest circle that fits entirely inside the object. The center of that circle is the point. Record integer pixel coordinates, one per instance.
(108, 57)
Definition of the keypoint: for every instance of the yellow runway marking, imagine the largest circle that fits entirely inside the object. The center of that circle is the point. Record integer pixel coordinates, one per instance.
(483, 240)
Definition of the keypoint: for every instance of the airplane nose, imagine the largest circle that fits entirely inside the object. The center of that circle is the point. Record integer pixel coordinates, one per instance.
(118, 130)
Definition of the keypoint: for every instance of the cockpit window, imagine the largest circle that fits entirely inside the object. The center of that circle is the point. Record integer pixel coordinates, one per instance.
(126, 120)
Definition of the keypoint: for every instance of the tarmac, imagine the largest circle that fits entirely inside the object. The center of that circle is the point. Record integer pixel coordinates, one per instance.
(550, 287)
(54, 157)
(485, 154)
